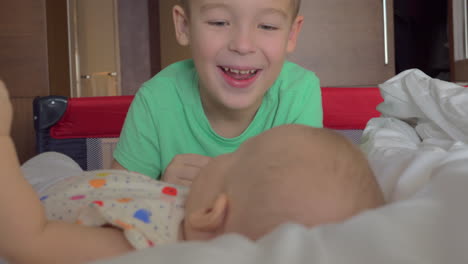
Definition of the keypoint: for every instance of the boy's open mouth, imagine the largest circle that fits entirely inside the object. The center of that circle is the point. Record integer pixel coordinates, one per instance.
(239, 74)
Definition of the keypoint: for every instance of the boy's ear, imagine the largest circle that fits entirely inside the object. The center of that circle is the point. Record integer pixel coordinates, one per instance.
(294, 33)
(181, 24)
(210, 219)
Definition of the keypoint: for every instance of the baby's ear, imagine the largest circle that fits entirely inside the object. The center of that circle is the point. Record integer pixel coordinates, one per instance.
(210, 219)
(181, 23)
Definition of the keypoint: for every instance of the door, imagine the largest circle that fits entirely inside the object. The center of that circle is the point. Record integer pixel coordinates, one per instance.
(94, 48)
(458, 24)
(347, 43)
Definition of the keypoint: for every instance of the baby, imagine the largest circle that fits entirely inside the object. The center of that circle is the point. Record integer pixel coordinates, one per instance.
(291, 173)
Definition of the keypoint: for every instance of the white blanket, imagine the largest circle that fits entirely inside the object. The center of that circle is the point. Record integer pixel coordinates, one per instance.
(423, 170)
(424, 125)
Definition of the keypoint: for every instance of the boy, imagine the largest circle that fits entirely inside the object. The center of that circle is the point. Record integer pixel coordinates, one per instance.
(237, 86)
(290, 173)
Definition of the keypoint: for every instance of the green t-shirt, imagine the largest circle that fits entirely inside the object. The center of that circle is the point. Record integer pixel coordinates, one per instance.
(166, 117)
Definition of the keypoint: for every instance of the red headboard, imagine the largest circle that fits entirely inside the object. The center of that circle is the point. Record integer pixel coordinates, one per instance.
(98, 117)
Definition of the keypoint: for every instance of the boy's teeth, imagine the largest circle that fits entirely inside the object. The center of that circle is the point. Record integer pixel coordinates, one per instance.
(239, 71)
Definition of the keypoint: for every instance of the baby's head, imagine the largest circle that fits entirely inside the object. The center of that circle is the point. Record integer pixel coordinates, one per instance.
(238, 47)
(290, 173)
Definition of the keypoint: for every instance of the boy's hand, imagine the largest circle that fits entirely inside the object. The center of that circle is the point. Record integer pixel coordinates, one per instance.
(5, 111)
(184, 168)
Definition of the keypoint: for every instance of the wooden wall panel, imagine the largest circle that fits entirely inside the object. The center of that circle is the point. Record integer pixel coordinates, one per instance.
(24, 64)
(23, 47)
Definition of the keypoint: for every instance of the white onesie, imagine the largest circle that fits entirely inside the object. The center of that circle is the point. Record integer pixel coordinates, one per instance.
(148, 211)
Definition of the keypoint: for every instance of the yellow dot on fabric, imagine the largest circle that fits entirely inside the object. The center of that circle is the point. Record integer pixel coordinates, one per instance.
(97, 183)
(123, 225)
(103, 174)
(124, 200)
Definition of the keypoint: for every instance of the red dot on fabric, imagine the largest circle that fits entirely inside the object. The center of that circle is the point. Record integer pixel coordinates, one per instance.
(77, 197)
(170, 191)
(150, 243)
(100, 203)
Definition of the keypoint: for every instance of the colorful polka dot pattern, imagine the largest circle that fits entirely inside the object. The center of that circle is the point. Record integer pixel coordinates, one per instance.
(148, 211)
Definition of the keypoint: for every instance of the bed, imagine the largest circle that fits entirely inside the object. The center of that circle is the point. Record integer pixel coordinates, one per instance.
(87, 129)
(416, 148)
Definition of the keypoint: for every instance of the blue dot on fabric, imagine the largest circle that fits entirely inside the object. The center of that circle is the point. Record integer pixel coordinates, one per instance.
(143, 215)
(44, 197)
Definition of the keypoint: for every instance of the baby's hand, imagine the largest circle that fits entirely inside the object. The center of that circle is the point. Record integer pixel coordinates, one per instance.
(5, 111)
(184, 168)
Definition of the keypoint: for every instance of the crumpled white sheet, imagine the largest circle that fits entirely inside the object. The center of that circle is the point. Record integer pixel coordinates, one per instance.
(438, 107)
(424, 121)
(424, 175)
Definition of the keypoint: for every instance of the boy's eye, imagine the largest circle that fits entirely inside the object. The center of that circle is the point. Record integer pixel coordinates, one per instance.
(218, 23)
(267, 27)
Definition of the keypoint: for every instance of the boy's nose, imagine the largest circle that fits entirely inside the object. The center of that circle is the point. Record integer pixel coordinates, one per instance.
(242, 42)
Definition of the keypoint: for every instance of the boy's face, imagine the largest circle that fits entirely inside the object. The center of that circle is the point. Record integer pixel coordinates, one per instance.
(239, 47)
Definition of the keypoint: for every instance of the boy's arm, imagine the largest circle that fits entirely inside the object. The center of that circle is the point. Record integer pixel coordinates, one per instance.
(183, 168)
(117, 166)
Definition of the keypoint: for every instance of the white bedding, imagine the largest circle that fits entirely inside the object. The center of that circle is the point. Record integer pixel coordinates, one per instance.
(423, 170)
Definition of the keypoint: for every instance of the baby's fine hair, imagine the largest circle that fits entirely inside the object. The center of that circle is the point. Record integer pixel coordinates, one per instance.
(296, 5)
(318, 169)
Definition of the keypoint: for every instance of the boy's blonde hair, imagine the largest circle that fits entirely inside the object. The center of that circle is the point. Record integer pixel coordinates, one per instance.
(296, 6)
